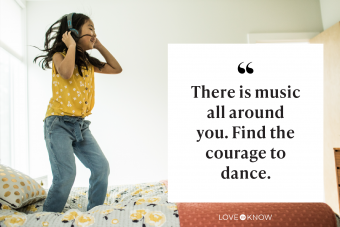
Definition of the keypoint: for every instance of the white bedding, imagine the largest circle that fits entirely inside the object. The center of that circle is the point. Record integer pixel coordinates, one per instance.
(143, 205)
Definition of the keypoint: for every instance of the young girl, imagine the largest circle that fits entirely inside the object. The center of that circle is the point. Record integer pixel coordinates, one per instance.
(66, 131)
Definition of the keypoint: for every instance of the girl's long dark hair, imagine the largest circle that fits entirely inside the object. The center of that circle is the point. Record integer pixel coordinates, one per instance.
(58, 45)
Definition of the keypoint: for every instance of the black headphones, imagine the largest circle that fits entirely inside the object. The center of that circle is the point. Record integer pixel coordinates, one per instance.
(69, 24)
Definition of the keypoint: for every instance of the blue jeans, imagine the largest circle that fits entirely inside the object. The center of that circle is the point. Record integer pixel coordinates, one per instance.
(65, 135)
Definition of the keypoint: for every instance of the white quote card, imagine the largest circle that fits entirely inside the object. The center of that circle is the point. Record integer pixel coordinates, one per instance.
(245, 123)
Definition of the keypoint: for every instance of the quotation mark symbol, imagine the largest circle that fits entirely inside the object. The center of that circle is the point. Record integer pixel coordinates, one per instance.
(242, 70)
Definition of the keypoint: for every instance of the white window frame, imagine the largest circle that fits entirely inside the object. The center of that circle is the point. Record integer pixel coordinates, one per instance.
(16, 153)
(21, 3)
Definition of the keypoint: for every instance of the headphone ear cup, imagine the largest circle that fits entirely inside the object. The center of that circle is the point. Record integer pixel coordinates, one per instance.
(74, 35)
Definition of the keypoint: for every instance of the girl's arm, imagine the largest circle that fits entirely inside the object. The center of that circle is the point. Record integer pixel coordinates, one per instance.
(112, 66)
(65, 66)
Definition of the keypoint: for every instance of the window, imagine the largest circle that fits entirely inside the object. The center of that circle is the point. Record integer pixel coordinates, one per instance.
(13, 86)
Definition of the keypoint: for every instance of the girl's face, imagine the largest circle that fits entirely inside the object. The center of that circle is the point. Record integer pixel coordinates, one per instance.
(87, 42)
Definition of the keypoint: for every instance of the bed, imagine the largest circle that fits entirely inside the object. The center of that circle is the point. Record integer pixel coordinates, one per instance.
(147, 205)
(142, 204)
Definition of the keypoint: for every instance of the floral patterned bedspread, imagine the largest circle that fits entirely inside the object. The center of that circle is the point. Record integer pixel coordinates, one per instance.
(142, 205)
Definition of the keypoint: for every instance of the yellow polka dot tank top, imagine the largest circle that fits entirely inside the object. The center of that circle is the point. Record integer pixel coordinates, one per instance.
(72, 97)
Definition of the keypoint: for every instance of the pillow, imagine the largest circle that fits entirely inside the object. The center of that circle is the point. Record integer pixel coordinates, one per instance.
(18, 189)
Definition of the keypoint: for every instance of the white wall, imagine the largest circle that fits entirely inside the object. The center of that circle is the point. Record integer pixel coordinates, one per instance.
(330, 12)
(129, 119)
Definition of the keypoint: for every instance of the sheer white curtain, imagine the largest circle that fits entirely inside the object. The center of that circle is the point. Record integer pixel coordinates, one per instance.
(13, 86)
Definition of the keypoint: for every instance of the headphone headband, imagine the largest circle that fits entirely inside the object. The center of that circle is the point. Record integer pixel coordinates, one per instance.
(69, 24)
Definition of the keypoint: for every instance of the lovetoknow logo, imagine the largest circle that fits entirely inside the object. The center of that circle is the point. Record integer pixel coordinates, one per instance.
(242, 217)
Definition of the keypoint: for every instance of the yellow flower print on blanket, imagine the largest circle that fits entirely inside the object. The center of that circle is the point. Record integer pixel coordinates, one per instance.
(145, 192)
(84, 220)
(119, 207)
(172, 207)
(152, 201)
(78, 218)
(3, 217)
(128, 206)
(70, 215)
(5, 207)
(137, 192)
(31, 208)
(107, 211)
(140, 201)
(14, 220)
(137, 215)
(114, 221)
(118, 195)
(153, 218)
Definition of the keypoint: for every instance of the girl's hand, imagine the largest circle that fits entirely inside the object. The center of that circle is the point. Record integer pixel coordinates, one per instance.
(97, 44)
(68, 39)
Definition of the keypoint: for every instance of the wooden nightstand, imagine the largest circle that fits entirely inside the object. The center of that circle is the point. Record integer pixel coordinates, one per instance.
(337, 169)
